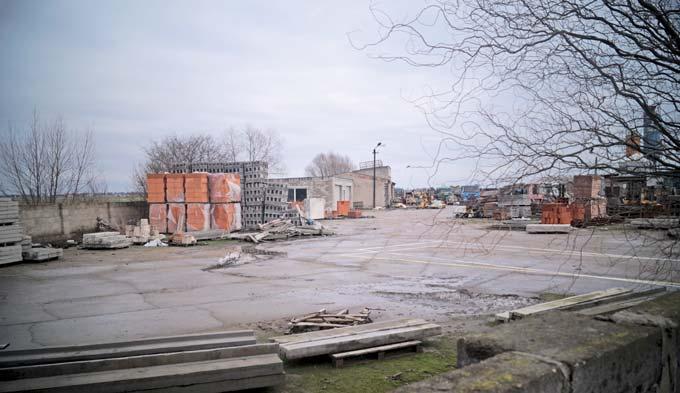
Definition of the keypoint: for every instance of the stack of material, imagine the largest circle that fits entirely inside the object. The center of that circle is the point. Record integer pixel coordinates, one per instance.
(195, 202)
(343, 208)
(655, 223)
(215, 362)
(105, 240)
(548, 228)
(354, 214)
(324, 320)
(279, 230)
(595, 303)
(326, 342)
(515, 205)
(589, 196)
(141, 233)
(11, 232)
(182, 239)
(556, 213)
(39, 254)
(314, 208)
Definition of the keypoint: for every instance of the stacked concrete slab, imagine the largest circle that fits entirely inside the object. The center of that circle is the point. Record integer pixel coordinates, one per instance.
(105, 240)
(11, 232)
(218, 362)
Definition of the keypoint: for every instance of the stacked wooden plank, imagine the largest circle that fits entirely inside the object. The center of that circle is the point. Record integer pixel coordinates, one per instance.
(326, 342)
(105, 240)
(225, 361)
(594, 303)
(11, 232)
(325, 320)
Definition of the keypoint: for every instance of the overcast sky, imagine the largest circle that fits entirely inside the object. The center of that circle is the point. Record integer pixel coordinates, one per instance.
(136, 71)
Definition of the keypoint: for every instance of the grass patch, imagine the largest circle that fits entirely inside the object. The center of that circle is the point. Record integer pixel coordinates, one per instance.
(371, 375)
(550, 296)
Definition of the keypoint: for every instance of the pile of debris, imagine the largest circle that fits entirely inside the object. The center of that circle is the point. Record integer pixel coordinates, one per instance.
(279, 230)
(105, 240)
(142, 233)
(37, 252)
(323, 320)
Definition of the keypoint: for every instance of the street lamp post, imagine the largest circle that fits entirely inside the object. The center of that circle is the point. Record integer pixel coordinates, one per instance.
(375, 151)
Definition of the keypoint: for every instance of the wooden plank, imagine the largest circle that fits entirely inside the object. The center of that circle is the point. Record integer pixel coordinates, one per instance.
(382, 348)
(299, 350)
(224, 386)
(620, 304)
(122, 349)
(130, 362)
(157, 377)
(565, 303)
(347, 331)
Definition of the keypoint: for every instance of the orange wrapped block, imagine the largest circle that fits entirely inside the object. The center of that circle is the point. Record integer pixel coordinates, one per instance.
(155, 188)
(225, 216)
(196, 187)
(198, 216)
(174, 187)
(343, 208)
(176, 217)
(224, 187)
(354, 214)
(158, 216)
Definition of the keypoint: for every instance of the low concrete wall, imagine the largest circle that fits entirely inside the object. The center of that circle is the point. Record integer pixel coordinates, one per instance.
(61, 221)
(636, 350)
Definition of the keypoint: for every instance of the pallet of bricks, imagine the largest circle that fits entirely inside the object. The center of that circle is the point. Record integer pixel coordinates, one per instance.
(10, 232)
(194, 202)
(262, 201)
(589, 202)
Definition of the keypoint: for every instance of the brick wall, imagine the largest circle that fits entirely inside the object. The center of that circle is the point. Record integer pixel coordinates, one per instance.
(62, 221)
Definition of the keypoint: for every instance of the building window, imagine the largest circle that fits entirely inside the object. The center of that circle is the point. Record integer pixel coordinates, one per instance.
(297, 194)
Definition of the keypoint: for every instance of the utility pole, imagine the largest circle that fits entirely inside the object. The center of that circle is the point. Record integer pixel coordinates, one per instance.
(375, 151)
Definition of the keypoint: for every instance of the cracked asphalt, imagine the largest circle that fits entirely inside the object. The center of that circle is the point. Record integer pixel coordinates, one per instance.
(402, 263)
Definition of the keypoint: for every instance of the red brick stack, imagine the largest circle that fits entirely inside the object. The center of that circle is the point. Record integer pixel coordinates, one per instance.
(194, 201)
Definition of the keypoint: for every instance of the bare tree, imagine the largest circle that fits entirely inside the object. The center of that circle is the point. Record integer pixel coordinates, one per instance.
(263, 145)
(329, 164)
(47, 162)
(545, 88)
(164, 154)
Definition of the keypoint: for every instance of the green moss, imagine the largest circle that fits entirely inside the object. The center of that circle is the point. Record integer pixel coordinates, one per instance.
(550, 296)
(371, 375)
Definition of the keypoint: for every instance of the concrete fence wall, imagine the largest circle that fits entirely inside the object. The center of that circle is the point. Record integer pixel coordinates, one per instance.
(61, 221)
(635, 350)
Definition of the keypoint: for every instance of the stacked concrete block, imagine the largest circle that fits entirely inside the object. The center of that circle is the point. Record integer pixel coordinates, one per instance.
(198, 216)
(11, 232)
(105, 240)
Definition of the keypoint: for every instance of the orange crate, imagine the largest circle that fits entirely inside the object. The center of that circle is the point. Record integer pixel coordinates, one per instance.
(343, 208)
(158, 216)
(224, 187)
(155, 188)
(198, 217)
(174, 187)
(176, 217)
(225, 216)
(196, 188)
